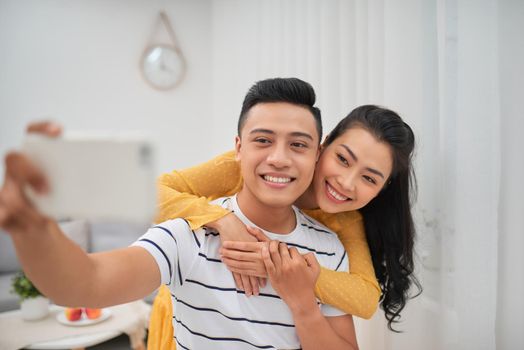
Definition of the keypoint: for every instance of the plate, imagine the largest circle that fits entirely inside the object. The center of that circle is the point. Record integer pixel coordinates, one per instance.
(84, 320)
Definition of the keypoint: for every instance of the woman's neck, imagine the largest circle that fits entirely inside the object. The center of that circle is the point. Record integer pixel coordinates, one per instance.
(307, 200)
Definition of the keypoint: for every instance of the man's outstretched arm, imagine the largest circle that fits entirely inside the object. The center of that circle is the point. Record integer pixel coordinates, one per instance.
(56, 265)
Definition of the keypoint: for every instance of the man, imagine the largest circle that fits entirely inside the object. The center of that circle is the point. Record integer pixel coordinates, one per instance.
(277, 146)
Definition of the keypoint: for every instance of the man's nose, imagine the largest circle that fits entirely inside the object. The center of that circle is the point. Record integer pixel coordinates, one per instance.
(279, 157)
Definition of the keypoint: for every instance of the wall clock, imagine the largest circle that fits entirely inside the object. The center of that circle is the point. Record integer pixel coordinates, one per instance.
(163, 66)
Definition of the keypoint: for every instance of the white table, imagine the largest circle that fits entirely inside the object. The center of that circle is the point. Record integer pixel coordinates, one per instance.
(127, 318)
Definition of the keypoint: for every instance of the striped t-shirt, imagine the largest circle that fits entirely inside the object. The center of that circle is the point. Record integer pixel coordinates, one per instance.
(209, 312)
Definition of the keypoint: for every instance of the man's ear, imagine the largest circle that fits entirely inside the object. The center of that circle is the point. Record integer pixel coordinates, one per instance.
(238, 145)
(319, 152)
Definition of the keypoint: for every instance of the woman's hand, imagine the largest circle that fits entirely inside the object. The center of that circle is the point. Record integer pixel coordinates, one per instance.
(246, 257)
(292, 275)
(232, 230)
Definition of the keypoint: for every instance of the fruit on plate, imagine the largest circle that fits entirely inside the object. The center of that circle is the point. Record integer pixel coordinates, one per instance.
(73, 313)
(93, 313)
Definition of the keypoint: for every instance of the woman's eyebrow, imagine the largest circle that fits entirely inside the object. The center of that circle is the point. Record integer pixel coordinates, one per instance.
(353, 155)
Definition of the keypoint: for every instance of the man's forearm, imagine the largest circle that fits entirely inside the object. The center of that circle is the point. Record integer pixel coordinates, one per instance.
(59, 268)
(316, 332)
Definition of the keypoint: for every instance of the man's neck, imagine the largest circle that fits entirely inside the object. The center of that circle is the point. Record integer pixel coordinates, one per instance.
(308, 199)
(273, 219)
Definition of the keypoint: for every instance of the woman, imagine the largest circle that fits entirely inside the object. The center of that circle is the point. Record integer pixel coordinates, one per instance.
(353, 191)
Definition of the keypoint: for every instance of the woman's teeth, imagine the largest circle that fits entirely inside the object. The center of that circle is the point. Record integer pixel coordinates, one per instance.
(277, 179)
(336, 194)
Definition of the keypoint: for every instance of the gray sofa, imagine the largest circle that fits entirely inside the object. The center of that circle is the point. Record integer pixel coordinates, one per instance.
(91, 236)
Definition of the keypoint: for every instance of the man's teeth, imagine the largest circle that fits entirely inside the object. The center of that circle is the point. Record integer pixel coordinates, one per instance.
(336, 194)
(277, 179)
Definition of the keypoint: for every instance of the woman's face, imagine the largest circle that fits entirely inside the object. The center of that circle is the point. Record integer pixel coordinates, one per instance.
(351, 171)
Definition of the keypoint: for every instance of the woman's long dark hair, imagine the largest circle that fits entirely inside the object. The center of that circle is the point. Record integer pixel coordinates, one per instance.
(388, 222)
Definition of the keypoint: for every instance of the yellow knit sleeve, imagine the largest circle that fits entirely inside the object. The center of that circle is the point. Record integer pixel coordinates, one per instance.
(356, 292)
(186, 193)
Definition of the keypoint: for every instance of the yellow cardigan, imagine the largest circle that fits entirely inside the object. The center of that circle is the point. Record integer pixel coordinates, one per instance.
(186, 194)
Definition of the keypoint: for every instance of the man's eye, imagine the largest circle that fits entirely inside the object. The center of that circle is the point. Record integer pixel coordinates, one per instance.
(370, 179)
(299, 145)
(261, 140)
(342, 159)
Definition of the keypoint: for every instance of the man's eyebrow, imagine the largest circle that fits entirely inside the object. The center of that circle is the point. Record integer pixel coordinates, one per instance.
(371, 170)
(293, 133)
(263, 131)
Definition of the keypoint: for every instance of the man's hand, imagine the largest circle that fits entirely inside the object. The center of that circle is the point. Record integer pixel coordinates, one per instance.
(48, 128)
(292, 275)
(16, 211)
(17, 214)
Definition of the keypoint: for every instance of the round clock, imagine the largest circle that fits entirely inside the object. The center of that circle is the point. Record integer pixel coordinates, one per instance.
(163, 66)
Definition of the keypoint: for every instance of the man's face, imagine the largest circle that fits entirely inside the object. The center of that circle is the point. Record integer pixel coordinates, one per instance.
(277, 149)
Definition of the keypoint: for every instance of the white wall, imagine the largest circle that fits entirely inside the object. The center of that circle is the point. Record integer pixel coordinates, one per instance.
(77, 62)
(510, 306)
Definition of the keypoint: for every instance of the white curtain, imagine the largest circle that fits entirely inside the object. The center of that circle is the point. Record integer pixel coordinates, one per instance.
(452, 69)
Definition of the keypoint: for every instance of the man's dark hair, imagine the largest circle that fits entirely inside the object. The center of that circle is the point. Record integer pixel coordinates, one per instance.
(290, 90)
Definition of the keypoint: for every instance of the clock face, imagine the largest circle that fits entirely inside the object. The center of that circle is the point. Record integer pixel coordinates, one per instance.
(163, 67)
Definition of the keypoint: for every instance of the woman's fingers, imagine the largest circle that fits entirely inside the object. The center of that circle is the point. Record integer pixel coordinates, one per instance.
(242, 246)
(257, 233)
(238, 281)
(247, 285)
(239, 255)
(255, 288)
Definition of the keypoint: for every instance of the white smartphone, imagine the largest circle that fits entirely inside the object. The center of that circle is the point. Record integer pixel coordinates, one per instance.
(93, 176)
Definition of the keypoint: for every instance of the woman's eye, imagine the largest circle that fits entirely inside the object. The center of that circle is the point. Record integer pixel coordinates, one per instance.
(342, 159)
(370, 179)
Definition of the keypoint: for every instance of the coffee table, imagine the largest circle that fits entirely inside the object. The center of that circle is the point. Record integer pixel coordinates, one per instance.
(48, 333)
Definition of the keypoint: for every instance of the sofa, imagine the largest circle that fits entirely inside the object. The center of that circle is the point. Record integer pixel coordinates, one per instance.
(93, 236)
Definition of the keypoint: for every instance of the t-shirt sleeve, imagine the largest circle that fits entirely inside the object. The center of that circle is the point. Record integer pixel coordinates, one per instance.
(174, 247)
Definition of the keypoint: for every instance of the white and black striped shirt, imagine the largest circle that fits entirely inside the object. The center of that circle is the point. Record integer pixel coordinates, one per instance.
(209, 312)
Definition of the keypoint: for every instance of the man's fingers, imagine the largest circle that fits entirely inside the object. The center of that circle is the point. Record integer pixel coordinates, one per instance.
(257, 233)
(284, 252)
(275, 254)
(311, 260)
(20, 170)
(266, 257)
(293, 252)
(47, 128)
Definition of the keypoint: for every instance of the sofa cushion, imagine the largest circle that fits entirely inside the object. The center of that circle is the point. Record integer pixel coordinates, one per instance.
(77, 230)
(108, 235)
(8, 260)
